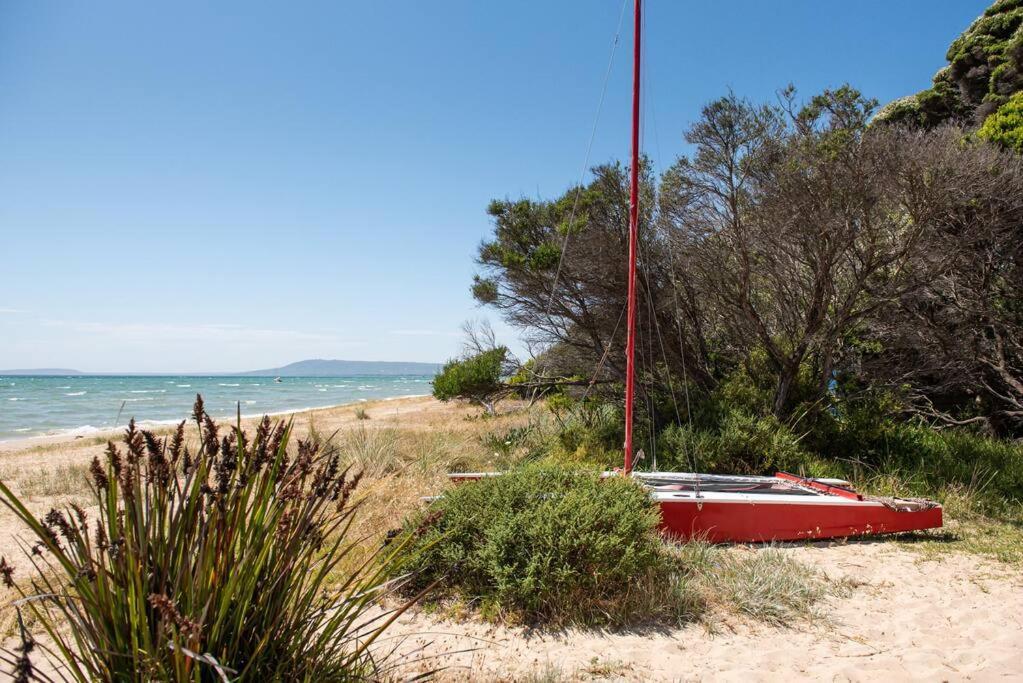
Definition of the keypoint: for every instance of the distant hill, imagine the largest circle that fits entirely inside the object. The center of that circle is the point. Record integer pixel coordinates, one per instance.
(41, 371)
(346, 368)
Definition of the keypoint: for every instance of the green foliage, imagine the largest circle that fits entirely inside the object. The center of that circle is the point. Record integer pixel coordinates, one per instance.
(930, 461)
(985, 69)
(542, 542)
(1005, 126)
(742, 444)
(590, 431)
(525, 443)
(198, 565)
(484, 290)
(476, 378)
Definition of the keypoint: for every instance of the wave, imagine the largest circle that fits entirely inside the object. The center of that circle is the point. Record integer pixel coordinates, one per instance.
(15, 399)
(228, 385)
(183, 386)
(77, 393)
(148, 391)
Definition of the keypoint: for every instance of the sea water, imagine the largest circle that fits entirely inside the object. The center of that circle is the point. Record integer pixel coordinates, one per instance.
(83, 404)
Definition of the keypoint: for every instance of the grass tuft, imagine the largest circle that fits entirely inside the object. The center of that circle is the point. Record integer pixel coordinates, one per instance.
(209, 564)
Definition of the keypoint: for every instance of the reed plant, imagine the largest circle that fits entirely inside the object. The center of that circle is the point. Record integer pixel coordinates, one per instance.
(229, 561)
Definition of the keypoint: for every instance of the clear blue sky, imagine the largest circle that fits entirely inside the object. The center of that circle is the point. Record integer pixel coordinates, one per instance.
(197, 185)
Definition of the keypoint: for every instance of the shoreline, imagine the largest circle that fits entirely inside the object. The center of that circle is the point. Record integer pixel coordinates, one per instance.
(72, 434)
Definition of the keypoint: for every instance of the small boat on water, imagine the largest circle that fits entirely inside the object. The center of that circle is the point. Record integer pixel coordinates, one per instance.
(278, 380)
(744, 509)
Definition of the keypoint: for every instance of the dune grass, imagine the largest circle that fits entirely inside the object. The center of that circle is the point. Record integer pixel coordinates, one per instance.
(67, 480)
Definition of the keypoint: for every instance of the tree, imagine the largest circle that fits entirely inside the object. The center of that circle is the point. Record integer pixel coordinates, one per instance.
(557, 270)
(800, 234)
(793, 228)
(476, 378)
(956, 343)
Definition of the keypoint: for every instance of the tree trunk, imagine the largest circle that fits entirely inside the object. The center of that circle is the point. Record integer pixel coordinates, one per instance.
(781, 394)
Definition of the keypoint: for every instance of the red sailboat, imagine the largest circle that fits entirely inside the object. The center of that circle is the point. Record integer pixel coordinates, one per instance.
(726, 508)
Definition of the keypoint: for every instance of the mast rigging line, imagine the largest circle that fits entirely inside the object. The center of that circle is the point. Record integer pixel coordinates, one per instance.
(586, 159)
(630, 344)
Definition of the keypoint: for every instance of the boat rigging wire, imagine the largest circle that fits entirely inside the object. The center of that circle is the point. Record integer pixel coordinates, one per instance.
(586, 159)
(650, 106)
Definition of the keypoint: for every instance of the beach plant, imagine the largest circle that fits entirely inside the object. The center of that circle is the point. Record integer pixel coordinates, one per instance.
(476, 378)
(547, 543)
(228, 561)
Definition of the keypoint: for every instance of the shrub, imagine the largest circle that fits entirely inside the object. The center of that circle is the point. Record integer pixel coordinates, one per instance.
(210, 563)
(1005, 126)
(544, 542)
(527, 442)
(361, 414)
(933, 460)
(476, 378)
(742, 444)
(590, 432)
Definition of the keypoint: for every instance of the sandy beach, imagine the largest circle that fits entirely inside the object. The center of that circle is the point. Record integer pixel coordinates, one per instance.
(906, 616)
(957, 619)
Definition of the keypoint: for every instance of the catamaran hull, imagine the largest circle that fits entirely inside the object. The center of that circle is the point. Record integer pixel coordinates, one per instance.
(758, 509)
(759, 521)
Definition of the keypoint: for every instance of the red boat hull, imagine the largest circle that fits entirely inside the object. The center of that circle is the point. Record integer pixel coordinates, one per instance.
(732, 522)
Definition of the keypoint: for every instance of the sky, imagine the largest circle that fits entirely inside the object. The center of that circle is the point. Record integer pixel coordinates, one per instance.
(198, 186)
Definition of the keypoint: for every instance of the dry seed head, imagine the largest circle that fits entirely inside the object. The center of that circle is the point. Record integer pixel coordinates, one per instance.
(99, 476)
(80, 516)
(114, 457)
(210, 440)
(56, 522)
(177, 441)
(135, 442)
(6, 573)
(198, 410)
(168, 611)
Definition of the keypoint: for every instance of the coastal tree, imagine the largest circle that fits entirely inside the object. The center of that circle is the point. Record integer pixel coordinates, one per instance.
(956, 344)
(794, 225)
(475, 378)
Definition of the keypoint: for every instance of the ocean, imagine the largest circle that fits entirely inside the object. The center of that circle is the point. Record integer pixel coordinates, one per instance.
(84, 404)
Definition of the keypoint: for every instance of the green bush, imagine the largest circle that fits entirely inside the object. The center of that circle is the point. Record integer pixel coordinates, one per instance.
(477, 378)
(1005, 126)
(932, 460)
(589, 432)
(197, 565)
(542, 542)
(742, 444)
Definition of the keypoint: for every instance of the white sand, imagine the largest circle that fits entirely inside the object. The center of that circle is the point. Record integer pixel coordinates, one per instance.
(960, 618)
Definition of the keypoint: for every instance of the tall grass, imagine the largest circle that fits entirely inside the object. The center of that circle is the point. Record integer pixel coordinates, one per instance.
(217, 564)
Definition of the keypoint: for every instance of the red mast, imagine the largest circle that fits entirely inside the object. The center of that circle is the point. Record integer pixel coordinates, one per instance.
(630, 346)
